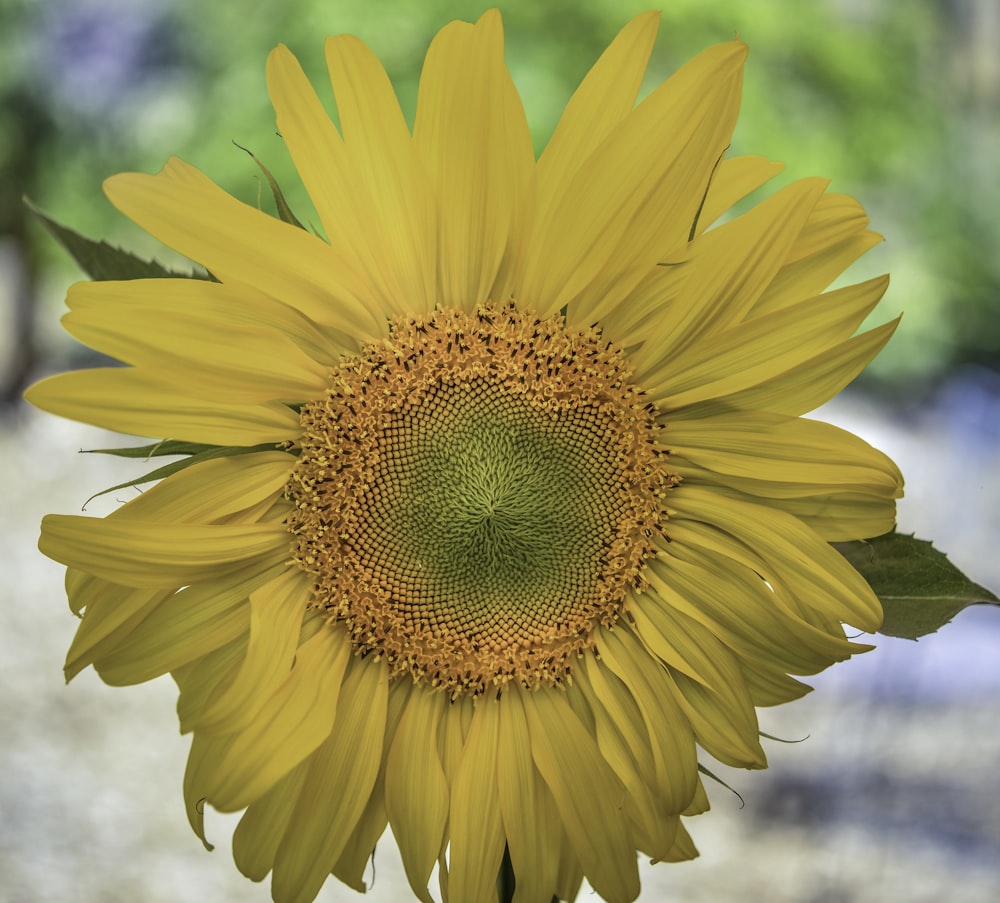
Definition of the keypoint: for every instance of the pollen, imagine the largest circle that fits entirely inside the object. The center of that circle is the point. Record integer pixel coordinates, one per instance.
(476, 494)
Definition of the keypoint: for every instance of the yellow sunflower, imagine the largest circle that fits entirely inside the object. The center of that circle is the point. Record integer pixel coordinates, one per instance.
(505, 505)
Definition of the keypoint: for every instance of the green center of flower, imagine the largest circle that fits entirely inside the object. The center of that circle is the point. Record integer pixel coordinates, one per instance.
(474, 496)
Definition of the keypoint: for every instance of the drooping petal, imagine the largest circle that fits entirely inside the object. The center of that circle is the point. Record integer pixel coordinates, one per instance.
(275, 616)
(416, 789)
(475, 826)
(337, 786)
(289, 727)
(158, 555)
(568, 759)
(534, 854)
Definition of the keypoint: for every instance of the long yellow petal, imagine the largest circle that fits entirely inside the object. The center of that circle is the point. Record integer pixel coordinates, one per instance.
(568, 759)
(534, 855)
(288, 728)
(337, 786)
(258, 835)
(360, 846)
(670, 736)
(184, 628)
(750, 353)
(112, 613)
(236, 242)
(604, 98)
(475, 826)
(140, 403)
(391, 191)
(245, 364)
(790, 553)
(276, 609)
(158, 555)
(785, 450)
(211, 490)
(471, 135)
(416, 790)
(235, 304)
(634, 199)
(804, 386)
(621, 737)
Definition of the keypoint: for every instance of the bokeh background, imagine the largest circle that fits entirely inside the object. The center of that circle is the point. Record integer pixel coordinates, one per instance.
(892, 793)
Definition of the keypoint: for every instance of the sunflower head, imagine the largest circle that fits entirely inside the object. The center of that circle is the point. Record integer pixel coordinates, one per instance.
(499, 504)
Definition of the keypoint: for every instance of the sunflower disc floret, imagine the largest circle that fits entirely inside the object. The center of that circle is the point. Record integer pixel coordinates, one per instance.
(476, 494)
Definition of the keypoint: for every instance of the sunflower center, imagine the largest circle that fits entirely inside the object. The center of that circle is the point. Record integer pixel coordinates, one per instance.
(476, 494)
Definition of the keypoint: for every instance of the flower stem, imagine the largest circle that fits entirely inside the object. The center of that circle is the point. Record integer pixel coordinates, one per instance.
(505, 879)
(506, 882)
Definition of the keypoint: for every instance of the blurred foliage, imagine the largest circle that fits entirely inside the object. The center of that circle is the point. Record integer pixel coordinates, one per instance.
(896, 102)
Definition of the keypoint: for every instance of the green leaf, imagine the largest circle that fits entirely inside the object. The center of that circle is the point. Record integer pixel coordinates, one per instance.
(284, 211)
(101, 261)
(919, 588)
(157, 449)
(196, 454)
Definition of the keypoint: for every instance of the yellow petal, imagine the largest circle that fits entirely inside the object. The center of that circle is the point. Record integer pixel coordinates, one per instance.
(731, 266)
(238, 243)
(158, 555)
(471, 135)
(703, 570)
(714, 698)
(257, 836)
(391, 191)
(670, 736)
(416, 790)
(288, 728)
(199, 680)
(211, 490)
(783, 450)
(112, 612)
(477, 836)
(337, 787)
(790, 554)
(275, 614)
(753, 352)
(634, 199)
(185, 627)
(247, 364)
(236, 304)
(735, 178)
(534, 855)
(622, 741)
(139, 403)
(587, 794)
(360, 845)
(604, 98)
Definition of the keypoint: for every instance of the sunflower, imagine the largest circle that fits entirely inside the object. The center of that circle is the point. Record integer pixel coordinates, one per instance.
(504, 505)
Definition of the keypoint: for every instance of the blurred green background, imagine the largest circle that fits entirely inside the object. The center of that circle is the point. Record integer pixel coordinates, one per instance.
(896, 102)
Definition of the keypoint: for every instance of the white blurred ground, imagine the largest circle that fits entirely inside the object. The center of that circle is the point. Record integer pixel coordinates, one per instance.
(893, 796)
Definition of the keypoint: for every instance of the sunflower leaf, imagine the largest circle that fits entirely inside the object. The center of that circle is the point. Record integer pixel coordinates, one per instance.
(101, 261)
(195, 455)
(157, 449)
(919, 588)
(284, 211)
